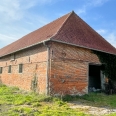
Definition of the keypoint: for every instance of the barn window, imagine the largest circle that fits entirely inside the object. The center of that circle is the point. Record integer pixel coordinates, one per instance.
(12, 57)
(20, 68)
(1, 70)
(9, 69)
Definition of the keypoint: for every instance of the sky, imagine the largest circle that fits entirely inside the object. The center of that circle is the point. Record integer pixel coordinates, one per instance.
(20, 17)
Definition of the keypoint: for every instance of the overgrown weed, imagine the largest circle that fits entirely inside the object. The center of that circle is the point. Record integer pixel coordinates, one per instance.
(31, 104)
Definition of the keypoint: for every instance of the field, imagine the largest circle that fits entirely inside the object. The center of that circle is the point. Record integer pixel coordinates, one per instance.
(15, 102)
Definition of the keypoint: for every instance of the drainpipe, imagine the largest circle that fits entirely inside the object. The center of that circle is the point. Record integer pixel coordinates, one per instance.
(47, 72)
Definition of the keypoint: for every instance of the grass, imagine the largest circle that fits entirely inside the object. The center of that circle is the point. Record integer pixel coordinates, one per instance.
(14, 102)
(113, 114)
(94, 99)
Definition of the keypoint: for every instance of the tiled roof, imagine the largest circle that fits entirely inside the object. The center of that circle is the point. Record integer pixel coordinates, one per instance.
(69, 29)
(77, 32)
(35, 37)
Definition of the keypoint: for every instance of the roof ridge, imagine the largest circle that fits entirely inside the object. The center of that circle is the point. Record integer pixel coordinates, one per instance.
(38, 29)
(62, 24)
(69, 28)
(95, 31)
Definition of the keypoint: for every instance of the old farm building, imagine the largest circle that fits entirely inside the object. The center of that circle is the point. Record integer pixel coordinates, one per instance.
(56, 58)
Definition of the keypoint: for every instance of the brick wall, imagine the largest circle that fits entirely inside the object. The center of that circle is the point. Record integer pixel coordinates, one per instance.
(69, 69)
(34, 62)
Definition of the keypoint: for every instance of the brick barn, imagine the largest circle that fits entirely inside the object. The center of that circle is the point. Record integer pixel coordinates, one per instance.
(56, 59)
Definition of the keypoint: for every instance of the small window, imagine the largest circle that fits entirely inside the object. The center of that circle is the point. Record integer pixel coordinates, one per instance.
(9, 69)
(0, 70)
(12, 57)
(20, 68)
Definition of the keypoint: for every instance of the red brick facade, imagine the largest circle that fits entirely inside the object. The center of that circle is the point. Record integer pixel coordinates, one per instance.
(67, 72)
(50, 66)
(69, 69)
(34, 62)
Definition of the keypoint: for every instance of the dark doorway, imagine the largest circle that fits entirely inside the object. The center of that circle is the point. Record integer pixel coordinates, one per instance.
(94, 78)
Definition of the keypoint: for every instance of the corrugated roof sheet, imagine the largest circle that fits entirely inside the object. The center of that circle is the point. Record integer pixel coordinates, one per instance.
(70, 29)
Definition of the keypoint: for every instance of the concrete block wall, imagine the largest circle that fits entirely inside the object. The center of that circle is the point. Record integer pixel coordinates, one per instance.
(34, 62)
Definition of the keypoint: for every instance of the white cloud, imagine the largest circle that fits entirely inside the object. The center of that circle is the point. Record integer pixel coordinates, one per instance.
(102, 31)
(16, 20)
(81, 11)
(90, 4)
(37, 18)
(109, 35)
(9, 9)
(16, 9)
(5, 40)
(97, 2)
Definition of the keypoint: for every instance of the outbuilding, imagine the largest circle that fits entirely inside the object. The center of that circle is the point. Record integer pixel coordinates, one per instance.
(56, 59)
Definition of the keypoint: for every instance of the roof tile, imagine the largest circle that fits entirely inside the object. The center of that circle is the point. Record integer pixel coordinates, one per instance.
(35, 37)
(70, 29)
(77, 32)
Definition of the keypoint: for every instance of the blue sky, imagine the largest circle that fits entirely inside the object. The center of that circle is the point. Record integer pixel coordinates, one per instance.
(20, 17)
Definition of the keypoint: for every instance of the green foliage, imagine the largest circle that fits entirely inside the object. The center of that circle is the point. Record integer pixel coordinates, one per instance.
(59, 111)
(113, 114)
(14, 102)
(94, 99)
(109, 62)
(68, 98)
(34, 83)
(36, 104)
(22, 110)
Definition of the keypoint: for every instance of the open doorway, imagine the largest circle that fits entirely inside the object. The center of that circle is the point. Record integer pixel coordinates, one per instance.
(95, 79)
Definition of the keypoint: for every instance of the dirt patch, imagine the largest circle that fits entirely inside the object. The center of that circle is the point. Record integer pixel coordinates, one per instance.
(4, 108)
(94, 111)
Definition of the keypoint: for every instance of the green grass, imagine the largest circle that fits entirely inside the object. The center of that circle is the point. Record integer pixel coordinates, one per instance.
(113, 114)
(94, 99)
(14, 102)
